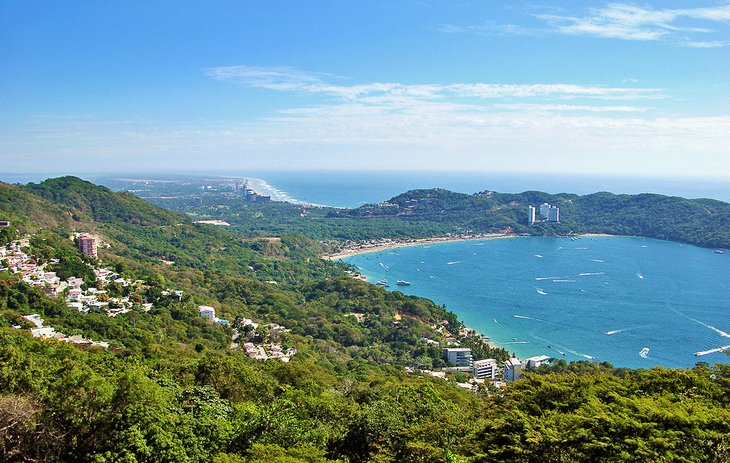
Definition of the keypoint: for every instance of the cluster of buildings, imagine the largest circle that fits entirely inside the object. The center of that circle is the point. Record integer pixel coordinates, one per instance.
(546, 213)
(97, 299)
(14, 260)
(461, 358)
(250, 195)
(41, 331)
(245, 329)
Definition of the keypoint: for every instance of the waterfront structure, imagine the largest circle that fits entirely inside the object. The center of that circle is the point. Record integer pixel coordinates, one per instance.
(486, 368)
(87, 245)
(512, 369)
(548, 214)
(251, 196)
(458, 356)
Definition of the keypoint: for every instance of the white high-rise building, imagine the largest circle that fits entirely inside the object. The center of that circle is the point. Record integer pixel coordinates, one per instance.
(553, 214)
(531, 215)
(512, 369)
(544, 207)
(458, 356)
(486, 368)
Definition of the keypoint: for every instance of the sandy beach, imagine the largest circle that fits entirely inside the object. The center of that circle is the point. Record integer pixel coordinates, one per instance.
(386, 244)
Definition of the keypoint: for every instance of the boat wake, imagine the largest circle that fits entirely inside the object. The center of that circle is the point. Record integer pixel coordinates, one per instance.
(712, 351)
(566, 349)
(538, 255)
(598, 260)
(612, 332)
(545, 278)
(586, 274)
(525, 317)
(454, 262)
(563, 281)
(716, 330)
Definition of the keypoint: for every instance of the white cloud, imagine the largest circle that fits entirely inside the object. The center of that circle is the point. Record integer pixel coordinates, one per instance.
(630, 22)
(397, 126)
(478, 126)
(710, 44)
(288, 79)
(490, 28)
(619, 21)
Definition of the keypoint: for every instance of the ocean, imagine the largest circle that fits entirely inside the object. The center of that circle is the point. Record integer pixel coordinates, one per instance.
(353, 189)
(633, 302)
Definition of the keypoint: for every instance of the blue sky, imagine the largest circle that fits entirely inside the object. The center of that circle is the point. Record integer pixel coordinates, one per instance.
(583, 87)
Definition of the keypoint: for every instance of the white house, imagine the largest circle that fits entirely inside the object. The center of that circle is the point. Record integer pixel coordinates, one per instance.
(534, 362)
(207, 312)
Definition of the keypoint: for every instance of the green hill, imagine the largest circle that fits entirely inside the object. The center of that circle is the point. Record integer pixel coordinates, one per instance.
(702, 222)
(101, 204)
(170, 387)
(436, 212)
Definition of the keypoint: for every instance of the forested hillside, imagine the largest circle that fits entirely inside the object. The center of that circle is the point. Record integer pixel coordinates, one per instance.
(437, 212)
(174, 387)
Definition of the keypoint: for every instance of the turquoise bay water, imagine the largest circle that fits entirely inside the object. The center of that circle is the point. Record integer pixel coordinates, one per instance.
(603, 298)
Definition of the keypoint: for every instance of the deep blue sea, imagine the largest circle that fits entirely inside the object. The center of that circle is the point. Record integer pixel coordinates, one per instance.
(602, 298)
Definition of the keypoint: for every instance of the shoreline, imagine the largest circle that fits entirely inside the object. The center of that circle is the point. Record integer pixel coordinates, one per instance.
(386, 244)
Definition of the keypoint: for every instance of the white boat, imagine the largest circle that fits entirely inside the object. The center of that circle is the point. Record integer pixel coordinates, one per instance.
(403, 283)
(540, 291)
(644, 352)
(382, 282)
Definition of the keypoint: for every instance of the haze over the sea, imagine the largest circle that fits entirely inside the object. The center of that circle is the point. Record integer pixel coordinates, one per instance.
(353, 189)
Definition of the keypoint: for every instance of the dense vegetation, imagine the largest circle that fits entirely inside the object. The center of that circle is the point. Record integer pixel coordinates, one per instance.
(170, 389)
(424, 213)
